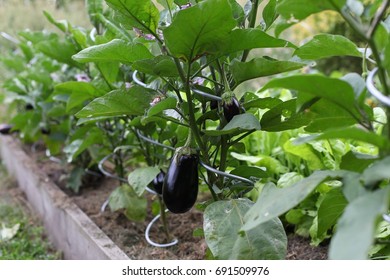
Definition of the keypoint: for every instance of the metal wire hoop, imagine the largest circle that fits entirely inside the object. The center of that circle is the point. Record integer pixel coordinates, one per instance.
(373, 90)
(138, 81)
(232, 176)
(151, 242)
(113, 176)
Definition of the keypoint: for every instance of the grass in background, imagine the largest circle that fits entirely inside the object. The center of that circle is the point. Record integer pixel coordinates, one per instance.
(29, 242)
(17, 15)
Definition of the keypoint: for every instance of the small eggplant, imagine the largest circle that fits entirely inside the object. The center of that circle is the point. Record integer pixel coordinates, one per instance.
(45, 130)
(230, 105)
(180, 188)
(29, 107)
(213, 104)
(5, 128)
(158, 181)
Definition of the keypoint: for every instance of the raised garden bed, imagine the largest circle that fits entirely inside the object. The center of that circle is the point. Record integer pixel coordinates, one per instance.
(80, 230)
(68, 227)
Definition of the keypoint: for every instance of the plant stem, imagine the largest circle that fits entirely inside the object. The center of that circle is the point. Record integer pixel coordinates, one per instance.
(381, 70)
(231, 143)
(192, 123)
(169, 9)
(252, 23)
(376, 54)
(224, 150)
(377, 19)
(163, 217)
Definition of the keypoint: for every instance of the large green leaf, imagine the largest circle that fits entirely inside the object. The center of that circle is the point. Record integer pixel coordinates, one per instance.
(125, 198)
(36, 37)
(115, 50)
(306, 152)
(274, 201)
(283, 117)
(271, 164)
(251, 38)
(222, 223)
(78, 92)
(330, 210)
(133, 101)
(377, 172)
(167, 4)
(353, 186)
(141, 177)
(238, 12)
(94, 7)
(300, 9)
(269, 13)
(357, 226)
(261, 67)
(327, 45)
(356, 162)
(262, 103)
(76, 147)
(239, 123)
(134, 13)
(63, 25)
(198, 30)
(167, 103)
(162, 66)
(335, 90)
(249, 172)
(113, 27)
(59, 50)
(352, 133)
(326, 116)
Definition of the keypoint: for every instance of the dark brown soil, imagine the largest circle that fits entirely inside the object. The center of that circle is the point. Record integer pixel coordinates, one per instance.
(129, 236)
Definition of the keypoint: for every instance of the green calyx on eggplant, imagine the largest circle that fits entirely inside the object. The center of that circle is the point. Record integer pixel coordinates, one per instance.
(230, 105)
(158, 181)
(180, 188)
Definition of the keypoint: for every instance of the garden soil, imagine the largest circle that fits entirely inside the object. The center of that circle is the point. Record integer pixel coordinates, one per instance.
(129, 235)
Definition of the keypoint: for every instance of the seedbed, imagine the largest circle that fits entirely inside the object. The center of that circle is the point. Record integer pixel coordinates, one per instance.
(127, 237)
(304, 154)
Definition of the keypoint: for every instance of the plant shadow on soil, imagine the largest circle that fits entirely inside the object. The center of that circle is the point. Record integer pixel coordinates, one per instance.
(129, 235)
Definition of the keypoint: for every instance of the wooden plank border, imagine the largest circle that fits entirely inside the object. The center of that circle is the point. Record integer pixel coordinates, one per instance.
(68, 227)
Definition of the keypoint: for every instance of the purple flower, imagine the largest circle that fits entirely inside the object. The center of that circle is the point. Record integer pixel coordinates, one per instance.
(140, 33)
(155, 101)
(82, 78)
(186, 6)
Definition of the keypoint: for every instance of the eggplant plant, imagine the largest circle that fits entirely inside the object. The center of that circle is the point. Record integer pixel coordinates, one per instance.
(166, 90)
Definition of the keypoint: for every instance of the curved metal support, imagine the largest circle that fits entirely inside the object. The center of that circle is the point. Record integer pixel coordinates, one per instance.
(52, 158)
(202, 163)
(154, 142)
(386, 217)
(373, 90)
(110, 175)
(92, 34)
(138, 81)
(151, 242)
(91, 172)
(9, 38)
(216, 171)
(104, 205)
(207, 95)
(106, 173)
